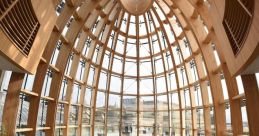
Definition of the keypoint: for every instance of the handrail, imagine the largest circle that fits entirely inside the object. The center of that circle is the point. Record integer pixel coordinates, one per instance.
(19, 22)
(237, 21)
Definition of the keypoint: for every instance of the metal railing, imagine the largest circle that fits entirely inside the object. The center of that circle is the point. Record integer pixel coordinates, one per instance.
(19, 23)
(237, 20)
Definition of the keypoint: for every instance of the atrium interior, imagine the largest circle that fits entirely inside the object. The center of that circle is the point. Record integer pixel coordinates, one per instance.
(129, 68)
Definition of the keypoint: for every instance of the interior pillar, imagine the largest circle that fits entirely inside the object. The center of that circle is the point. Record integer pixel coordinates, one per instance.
(252, 102)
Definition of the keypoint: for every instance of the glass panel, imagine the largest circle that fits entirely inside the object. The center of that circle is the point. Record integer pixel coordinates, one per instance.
(114, 101)
(115, 84)
(60, 114)
(86, 116)
(113, 117)
(86, 131)
(113, 130)
(147, 118)
(162, 103)
(146, 131)
(146, 103)
(22, 116)
(130, 86)
(73, 118)
(129, 103)
(146, 86)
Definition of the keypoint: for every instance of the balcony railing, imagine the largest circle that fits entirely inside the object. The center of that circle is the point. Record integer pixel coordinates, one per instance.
(19, 23)
(237, 21)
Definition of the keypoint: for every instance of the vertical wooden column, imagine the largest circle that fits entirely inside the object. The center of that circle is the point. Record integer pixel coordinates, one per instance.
(12, 103)
(109, 75)
(35, 101)
(56, 85)
(252, 102)
(122, 78)
(153, 77)
(235, 106)
(160, 43)
(206, 108)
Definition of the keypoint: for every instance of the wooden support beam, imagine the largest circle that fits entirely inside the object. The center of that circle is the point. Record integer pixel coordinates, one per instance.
(12, 102)
(252, 102)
